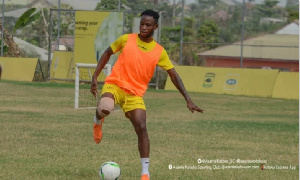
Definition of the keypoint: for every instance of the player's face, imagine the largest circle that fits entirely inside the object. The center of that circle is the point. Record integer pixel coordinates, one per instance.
(147, 26)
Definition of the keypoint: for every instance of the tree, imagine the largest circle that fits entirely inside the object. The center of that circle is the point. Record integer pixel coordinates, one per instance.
(10, 48)
(26, 18)
(208, 2)
(190, 29)
(171, 33)
(268, 8)
(5, 48)
(35, 22)
(109, 4)
(36, 17)
(293, 15)
(140, 4)
(67, 19)
(208, 34)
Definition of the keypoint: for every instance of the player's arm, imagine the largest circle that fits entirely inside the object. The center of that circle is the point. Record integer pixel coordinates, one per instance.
(176, 80)
(113, 48)
(101, 63)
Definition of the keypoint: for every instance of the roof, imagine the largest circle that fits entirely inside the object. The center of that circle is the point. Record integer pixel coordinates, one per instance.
(281, 3)
(78, 4)
(18, 2)
(292, 29)
(19, 12)
(15, 13)
(43, 53)
(40, 4)
(272, 46)
(63, 41)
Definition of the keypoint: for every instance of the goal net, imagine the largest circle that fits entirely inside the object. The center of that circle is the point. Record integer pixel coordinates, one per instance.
(83, 78)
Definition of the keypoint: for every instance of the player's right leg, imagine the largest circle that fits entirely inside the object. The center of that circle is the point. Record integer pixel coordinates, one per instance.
(106, 105)
(138, 120)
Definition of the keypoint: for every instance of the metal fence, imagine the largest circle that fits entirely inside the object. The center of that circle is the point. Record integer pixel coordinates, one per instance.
(190, 31)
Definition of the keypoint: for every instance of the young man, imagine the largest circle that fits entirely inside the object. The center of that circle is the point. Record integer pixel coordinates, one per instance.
(127, 83)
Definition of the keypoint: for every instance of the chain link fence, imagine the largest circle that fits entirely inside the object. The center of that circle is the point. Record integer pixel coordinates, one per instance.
(194, 33)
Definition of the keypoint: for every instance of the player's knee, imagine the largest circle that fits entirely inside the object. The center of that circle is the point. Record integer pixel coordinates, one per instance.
(140, 128)
(106, 105)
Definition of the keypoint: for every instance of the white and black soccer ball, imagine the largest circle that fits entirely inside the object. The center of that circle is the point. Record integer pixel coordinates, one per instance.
(110, 171)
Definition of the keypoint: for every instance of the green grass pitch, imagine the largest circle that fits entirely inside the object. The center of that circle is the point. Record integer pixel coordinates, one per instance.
(44, 137)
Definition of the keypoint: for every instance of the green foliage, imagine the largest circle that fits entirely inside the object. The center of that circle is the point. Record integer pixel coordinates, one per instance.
(208, 2)
(140, 4)
(171, 33)
(35, 22)
(208, 32)
(27, 17)
(268, 8)
(293, 15)
(212, 22)
(5, 48)
(236, 16)
(271, 3)
(189, 29)
(227, 35)
(109, 4)
(66, 19)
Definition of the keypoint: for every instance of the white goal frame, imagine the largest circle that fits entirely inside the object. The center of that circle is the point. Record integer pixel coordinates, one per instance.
(106, 70)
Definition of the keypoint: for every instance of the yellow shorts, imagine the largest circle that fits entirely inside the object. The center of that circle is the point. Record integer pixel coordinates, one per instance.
(127, 101)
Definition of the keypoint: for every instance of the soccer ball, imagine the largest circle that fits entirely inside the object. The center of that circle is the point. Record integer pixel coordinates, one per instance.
(109, 171)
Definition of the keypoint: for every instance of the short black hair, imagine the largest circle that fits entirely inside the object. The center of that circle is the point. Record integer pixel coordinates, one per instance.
(152, 13)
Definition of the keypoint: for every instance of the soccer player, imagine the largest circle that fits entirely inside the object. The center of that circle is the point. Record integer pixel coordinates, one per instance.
(128, 81)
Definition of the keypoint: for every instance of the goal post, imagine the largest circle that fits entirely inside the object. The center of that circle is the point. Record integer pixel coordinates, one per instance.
(83, 78)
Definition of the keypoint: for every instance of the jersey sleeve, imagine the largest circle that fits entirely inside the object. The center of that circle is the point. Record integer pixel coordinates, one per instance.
(119, 43)
(164, 61)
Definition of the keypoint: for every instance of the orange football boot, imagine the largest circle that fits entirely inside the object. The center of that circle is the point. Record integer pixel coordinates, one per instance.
(145, 177)
(98, 131)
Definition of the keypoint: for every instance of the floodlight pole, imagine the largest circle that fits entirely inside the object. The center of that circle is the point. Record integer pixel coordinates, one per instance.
(242, 33)
(181, 32)
(58, 25)
(119, 6)
(2, 28)
(50, 44)
(158, 40)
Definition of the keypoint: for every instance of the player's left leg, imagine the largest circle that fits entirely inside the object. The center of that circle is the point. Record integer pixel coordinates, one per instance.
(106, 105)
(138, 120)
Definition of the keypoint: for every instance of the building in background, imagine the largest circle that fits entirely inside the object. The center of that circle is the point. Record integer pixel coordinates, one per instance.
(273, 51)
(290, 29)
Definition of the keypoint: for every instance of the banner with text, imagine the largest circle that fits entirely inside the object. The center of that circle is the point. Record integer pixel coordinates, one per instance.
(94, 32)
(252, 82)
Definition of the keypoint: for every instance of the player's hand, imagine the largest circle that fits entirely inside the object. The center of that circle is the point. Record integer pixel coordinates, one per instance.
(192, 107)
(94, 87)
